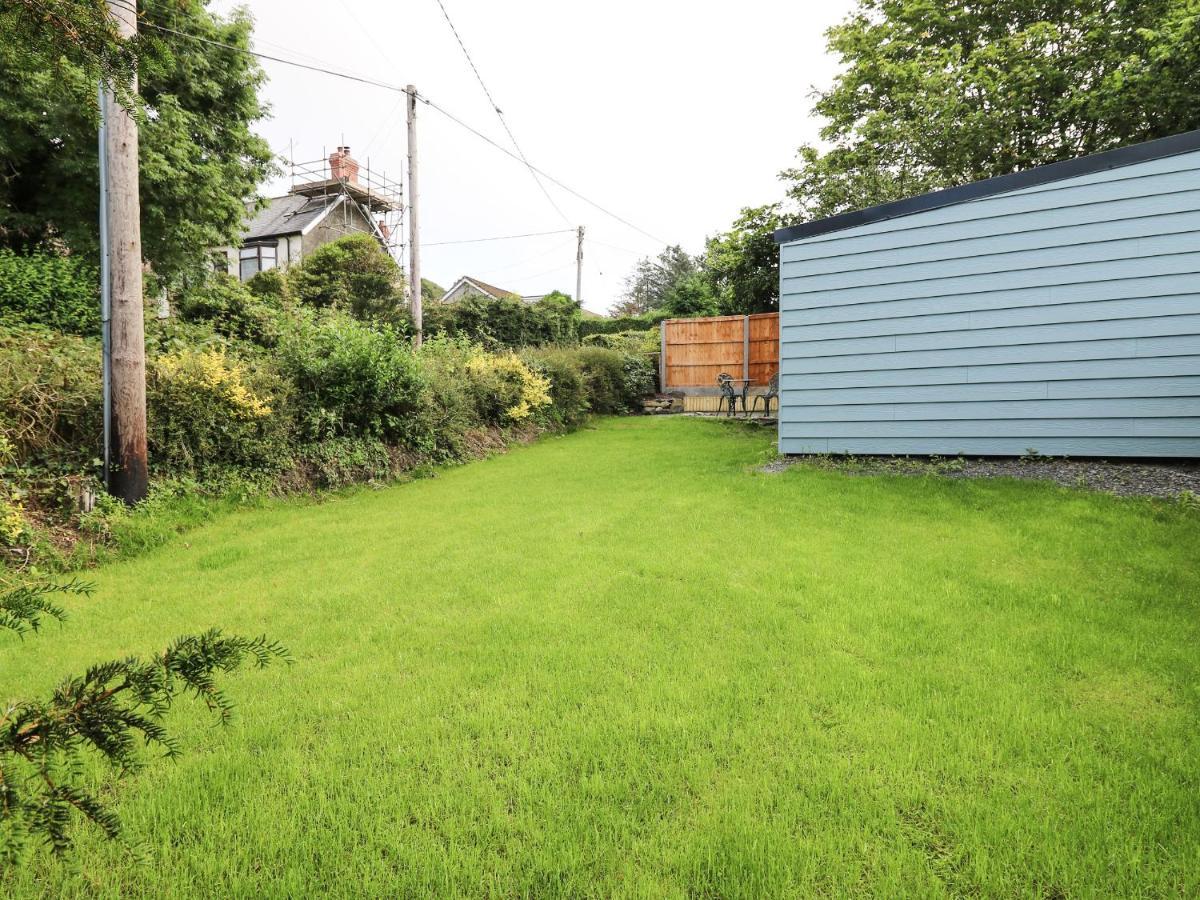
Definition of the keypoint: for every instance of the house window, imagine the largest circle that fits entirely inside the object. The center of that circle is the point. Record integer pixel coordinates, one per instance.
(255, 259)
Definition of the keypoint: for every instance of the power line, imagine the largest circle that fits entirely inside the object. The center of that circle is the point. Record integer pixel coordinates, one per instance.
(279, 59)
(424, 99)
(499, 114)
(503, 237)
(557, 248)
(479, 134)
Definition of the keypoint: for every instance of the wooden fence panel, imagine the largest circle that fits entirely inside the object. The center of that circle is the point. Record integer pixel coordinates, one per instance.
(764, 347)
(696, 351)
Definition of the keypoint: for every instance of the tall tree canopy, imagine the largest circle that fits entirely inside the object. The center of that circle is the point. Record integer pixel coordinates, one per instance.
(199, 157)
(652, 280)
(935, 93)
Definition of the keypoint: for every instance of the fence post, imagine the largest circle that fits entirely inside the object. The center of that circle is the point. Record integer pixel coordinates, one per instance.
(662, 356)
(746, 347)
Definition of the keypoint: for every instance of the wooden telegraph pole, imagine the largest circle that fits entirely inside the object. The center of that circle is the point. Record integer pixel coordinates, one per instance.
(414, 233)
(579, 267)
(127, 434)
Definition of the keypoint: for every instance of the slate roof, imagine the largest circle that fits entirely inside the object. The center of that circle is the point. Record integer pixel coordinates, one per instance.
(286, 215)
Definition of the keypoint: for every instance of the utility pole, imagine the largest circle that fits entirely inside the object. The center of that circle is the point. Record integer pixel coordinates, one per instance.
(123, 256)
(414, 233)
(579, 267)
(105, 298)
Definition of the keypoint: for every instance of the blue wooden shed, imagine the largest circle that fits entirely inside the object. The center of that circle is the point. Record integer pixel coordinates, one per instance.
(1055, 309)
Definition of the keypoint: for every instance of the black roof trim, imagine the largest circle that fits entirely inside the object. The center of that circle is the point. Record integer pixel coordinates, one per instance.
(1001, 184)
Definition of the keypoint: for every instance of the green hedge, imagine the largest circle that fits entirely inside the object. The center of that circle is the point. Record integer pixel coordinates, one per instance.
(624, 323)
(42, 288)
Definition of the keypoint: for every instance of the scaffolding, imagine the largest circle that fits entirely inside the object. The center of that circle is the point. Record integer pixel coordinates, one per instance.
(377, 197)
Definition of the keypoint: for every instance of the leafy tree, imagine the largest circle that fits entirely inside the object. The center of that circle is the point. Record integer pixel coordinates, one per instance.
(81, 30)
(558, 318)
(197, 104)
(431, 291)
(647, 287)
(112, 709)
(690, 296)
(353, 274)
(942, 93)
(742, 265)
(936, 93)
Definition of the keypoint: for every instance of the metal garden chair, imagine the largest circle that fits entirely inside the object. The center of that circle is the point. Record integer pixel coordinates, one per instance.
(729, 394)
(771, 393)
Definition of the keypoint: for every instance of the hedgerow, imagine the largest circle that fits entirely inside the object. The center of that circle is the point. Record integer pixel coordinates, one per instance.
(288, 383)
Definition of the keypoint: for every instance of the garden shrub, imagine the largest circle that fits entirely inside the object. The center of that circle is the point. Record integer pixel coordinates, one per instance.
(506, 390)
(623, 323)
(569, 403)
(450, 410)
(629, 342)
(236, 310)
(506, 323)
(352, 274)
(44, 288)
(611, 380)
(353, 379)
(339, 462)
(50, 397)
(207, 410)
(641, 378)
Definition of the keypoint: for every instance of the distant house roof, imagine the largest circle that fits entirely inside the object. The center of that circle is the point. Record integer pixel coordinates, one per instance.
(474, 285)
(468, 285)
(292, 214)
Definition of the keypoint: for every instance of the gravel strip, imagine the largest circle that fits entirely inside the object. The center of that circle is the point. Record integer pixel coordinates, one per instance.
(1124, 479)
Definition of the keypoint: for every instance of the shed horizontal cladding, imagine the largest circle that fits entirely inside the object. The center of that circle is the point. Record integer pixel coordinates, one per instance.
(903, 396)
(1033, 408)
(1008, 317)
(1172, 214)
(1013, 373)
(1063, 316)
(1057, 277)
(1137, 288)
(1119, 184)
(1119, 348)
(1005, 428)
(1008, 446)
(997, 262)
(1105, 329)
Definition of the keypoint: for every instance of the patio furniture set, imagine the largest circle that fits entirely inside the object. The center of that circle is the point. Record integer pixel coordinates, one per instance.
(730, 394)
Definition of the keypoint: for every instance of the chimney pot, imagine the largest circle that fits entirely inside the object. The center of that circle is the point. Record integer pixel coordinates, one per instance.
(343, 166)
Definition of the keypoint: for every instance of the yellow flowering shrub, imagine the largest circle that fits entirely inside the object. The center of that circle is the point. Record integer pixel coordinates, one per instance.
(209, 409)
(14, 531)
(508, 387)
(211, 373)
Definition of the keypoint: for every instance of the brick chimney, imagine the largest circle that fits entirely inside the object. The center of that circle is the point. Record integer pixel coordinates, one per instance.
(343, 166)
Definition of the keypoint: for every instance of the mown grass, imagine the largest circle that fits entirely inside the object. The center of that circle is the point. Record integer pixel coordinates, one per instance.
(623, 662)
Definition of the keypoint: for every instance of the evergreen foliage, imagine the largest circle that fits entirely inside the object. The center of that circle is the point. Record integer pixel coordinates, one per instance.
(112, 710)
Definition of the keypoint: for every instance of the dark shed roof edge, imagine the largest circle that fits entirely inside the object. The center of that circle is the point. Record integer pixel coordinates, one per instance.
(1001, 184)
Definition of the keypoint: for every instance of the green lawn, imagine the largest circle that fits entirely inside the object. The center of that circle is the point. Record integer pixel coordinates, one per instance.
(623, 662)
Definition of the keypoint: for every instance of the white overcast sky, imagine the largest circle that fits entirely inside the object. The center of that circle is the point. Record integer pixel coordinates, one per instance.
(672, 114)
